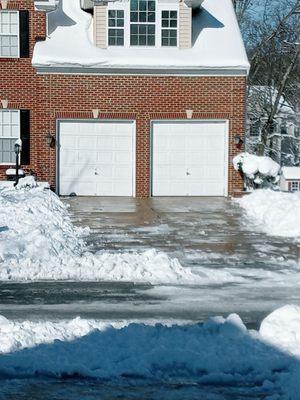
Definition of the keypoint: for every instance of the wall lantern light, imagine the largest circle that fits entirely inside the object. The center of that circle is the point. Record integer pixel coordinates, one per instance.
(17, 149)
(237, 140)
(4, 103)
(50, 140)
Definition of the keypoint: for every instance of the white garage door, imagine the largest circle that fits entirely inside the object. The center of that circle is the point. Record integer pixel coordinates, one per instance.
(189, 159)
(96, 158)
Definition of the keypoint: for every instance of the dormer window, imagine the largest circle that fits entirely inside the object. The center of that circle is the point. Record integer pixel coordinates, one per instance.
(142, 23)
(116, 27)
(169, 28)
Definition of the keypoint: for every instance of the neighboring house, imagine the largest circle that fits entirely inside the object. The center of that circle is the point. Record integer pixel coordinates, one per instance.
(124, 98)
(285, 129)
(290, 179)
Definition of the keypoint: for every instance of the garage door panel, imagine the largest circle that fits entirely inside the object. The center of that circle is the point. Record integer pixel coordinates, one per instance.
(96, 158)
(87, 142)
(86, 157)
(189, 159)
(123, 157)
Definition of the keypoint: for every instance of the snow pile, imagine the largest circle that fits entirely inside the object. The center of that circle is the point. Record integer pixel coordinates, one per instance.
(221, 352)
(257, 169)
(35, 226)
(39, 242)
(274, 213)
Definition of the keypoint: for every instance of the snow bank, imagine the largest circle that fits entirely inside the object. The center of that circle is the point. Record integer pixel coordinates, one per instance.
(221, 352)
(39, 242)
(274, 213)
(252, 165)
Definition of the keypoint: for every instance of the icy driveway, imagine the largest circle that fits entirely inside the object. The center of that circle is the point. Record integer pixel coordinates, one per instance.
(242, 271)
(206, 232)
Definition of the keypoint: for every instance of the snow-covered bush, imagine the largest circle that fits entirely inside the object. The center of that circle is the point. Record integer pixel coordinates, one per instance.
(258, 171)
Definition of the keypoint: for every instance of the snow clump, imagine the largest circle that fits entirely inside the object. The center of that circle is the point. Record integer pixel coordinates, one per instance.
(258, 171)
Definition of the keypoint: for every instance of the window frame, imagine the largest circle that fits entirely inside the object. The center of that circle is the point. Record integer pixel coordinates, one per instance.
(159, 7)
(119, 28)
(169, 28)
(147, 24)
(12, 35)
(297, 184)
(10, 137)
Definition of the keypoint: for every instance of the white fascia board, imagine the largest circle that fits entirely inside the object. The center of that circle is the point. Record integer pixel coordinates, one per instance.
(45, 5)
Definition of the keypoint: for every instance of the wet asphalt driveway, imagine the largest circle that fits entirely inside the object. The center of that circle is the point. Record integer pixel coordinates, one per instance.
(244, 271)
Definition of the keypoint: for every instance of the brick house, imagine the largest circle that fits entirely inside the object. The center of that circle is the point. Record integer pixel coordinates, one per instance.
(123, 98)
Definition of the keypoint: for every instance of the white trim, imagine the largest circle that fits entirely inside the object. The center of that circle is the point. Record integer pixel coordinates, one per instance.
(12, 35)
(87, 120)
(10, 137)
(226, 153)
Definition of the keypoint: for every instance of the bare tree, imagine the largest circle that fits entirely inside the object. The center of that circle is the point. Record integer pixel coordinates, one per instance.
(271, 31)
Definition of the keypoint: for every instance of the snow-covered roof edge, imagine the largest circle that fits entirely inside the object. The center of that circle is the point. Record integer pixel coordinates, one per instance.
(218, 47)
(291, 172)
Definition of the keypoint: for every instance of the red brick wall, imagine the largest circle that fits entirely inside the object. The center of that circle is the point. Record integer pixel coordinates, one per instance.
(142, 98)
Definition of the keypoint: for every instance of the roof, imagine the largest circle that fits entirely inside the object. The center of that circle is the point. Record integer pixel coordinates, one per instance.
(217, 43)
(291, 172)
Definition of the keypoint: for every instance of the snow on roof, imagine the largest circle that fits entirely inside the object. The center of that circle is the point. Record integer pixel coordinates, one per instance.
(217, 43)
(291, 172)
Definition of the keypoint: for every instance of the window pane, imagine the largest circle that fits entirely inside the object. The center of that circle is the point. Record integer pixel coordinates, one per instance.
(120, 14)
(111, 14)
(151, 29)
(7, 154)
(116, 37)
(111, 22)
(134, 29)
(151, 40)
(165, 14)
(134, 5)
(173, 14)
(173, 23)
(142, 16)
(151, 17)
(133, 40)
(173, 42)
(151, 5)
(142, 5)
(133, 16)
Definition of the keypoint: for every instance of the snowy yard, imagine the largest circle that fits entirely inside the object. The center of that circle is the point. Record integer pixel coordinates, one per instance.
(84, 303)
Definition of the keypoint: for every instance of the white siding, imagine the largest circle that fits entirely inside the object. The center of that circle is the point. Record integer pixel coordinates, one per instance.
(185, 26)
(100, 26)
